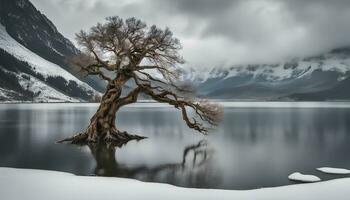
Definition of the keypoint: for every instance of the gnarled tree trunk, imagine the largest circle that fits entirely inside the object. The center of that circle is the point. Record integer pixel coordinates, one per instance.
(102, 127)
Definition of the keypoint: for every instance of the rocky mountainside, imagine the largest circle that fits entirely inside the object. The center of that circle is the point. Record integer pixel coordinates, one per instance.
(322, 77)
(32, 58)
(35, 31)
(25, 76)
(30, 28)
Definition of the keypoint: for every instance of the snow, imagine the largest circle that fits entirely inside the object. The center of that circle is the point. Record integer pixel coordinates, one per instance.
(297, 176)
(38, 184)
(45, 93)
(53, 49)
(38, 63)
(336, 64)
(278, 72)
(331, 170)
(4, 93)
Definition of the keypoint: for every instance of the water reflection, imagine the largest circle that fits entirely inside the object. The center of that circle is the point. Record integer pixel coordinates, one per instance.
(253, 147)
(195, 162)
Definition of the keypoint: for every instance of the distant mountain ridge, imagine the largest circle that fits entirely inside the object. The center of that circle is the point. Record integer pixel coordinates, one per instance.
(319, 78)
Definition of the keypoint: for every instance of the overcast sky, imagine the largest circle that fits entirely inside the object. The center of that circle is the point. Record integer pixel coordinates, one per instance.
(222, 32)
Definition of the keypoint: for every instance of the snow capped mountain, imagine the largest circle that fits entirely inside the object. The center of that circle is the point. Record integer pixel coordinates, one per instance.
(37, 76)
(337, 61)
(29, 27)
(32, 59)
(39, 64)
(283, 81)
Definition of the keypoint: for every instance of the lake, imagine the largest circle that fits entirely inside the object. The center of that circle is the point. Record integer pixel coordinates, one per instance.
(258, 144)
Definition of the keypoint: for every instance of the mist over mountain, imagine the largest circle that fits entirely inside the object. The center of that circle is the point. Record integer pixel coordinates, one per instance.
(317, 78)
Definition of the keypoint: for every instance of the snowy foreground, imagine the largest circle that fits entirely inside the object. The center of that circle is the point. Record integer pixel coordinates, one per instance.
(50, 185)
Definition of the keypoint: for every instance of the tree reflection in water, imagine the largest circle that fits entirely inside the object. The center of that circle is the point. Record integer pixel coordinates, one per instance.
(191, 171)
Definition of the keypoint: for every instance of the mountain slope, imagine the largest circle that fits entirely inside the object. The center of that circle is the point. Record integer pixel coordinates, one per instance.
(32, 78)
(33, 30)
(32, 59)
(36, 32)
(341, 91)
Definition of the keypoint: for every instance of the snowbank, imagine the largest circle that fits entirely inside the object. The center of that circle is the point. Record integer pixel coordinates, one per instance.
(37, 184)
(297, 176)
(331, 170)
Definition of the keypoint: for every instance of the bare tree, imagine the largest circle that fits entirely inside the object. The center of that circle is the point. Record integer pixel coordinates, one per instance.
(120, 51)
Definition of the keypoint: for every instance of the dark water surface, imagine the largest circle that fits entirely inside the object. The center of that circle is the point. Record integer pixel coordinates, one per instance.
(257, 144)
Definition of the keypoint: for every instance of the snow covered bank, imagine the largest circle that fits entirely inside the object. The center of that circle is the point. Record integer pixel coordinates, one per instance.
(38, 184)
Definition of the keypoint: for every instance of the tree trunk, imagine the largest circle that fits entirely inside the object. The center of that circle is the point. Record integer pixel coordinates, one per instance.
(102, 126)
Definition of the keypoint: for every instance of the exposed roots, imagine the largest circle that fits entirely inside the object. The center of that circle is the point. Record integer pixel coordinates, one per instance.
(115, 138)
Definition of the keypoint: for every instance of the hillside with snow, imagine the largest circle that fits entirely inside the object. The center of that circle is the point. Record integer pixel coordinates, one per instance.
(32, 78)
(33, 55)
(32, 29)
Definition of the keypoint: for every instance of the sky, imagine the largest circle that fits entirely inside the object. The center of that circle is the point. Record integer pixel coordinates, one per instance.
(222, 32)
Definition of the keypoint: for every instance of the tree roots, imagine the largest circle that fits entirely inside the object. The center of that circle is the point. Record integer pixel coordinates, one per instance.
(114, 138)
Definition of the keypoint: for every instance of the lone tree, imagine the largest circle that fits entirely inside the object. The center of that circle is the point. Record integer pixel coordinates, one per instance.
(128, 51)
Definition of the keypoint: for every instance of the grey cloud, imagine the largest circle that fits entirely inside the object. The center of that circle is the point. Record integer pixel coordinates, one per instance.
(199, 8)
(223, 31)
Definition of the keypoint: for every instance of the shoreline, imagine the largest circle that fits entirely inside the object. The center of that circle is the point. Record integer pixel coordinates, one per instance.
(42, 184)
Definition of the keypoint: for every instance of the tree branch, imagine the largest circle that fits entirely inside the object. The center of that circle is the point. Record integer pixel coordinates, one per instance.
(209, 113)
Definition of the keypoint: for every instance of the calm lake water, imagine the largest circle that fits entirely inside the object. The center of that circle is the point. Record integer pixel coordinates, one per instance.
(257, 144)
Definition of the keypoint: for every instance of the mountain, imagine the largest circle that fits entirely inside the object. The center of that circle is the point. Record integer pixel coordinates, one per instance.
(30, 28)
(341, 91)
(32, 58)
(322, 77)
(36, 32)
